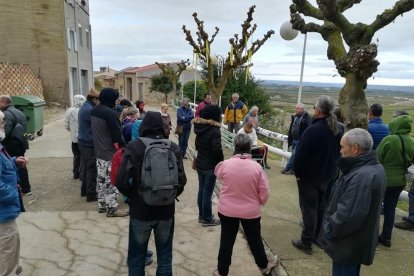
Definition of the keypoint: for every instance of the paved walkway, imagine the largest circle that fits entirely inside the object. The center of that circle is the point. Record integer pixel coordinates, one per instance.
(63, 235)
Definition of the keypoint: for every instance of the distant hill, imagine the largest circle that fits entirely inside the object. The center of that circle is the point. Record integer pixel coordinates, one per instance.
(385, 88)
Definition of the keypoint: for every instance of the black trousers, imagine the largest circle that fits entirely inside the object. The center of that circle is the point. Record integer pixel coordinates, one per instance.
(229, 229)
(312, 201)
(89, 172)
(15, 149)
(76, 160)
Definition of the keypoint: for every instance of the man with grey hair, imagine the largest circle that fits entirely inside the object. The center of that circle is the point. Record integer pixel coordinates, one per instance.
(316, 154)
(350, 226)
(234, 113)
(299, 123)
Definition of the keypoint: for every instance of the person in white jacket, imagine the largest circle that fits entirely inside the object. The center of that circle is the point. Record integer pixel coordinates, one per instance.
(71, 125)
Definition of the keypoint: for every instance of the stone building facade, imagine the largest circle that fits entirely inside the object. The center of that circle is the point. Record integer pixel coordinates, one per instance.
(53, 37)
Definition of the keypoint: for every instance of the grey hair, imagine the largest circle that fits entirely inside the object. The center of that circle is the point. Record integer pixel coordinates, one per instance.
(360, 137)
(301, 105)
(242, 143)
(253, 108)
(185, 100)
(326, 105)
(235, 95)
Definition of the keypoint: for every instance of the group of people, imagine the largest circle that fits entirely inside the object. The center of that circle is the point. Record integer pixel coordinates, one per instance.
(346, 179)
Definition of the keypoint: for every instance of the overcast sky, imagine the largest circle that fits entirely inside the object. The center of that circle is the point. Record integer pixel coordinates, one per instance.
(137, 33)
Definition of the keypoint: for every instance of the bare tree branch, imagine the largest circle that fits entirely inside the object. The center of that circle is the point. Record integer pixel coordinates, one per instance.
(306, 8)
(347, 4)
(389, 15)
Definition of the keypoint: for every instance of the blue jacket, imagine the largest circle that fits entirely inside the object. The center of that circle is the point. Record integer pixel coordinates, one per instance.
(184, 117)
(84, 123)
(378, 131)
(135, 130)
(9, 194)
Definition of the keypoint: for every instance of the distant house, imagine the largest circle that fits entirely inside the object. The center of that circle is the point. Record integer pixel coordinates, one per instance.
(54, 39)
(135, 82)
(106, 77)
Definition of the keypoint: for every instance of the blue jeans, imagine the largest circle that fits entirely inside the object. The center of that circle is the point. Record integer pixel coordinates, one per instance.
(291, 162)
(206, 182)
(390, 202)
(183, 140)
(345, 270)
(139, 234)
(411, 203)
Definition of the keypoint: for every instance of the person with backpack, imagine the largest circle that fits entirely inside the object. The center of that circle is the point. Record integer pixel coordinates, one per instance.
(147, 163)
(16, 145)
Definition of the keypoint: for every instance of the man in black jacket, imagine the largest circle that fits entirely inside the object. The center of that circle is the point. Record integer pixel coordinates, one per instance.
(145, 218)
(300, 121)
(106, 132)
(14, 147)
(349, 231)
(316, 154)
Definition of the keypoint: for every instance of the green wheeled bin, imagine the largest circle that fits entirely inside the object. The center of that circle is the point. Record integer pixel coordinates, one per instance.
(33, 107)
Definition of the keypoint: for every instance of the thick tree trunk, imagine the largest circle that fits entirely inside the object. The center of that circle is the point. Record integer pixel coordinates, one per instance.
(353, 103)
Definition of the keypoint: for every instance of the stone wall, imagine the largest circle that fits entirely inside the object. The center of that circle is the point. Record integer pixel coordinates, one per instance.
(19, 79)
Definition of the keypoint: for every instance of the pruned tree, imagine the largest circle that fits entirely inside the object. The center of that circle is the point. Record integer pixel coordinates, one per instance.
(239, 54)
(173, 74)
(358, 63)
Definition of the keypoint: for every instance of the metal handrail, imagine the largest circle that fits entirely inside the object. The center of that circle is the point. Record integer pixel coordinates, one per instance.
(227, 139)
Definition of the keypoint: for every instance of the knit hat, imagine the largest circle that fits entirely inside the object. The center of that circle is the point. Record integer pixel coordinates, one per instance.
(93, 93)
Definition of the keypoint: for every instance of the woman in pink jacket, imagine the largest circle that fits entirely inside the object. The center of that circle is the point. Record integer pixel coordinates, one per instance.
(245, 187)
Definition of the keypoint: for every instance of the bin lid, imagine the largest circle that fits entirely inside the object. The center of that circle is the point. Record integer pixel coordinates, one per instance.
(31, 100)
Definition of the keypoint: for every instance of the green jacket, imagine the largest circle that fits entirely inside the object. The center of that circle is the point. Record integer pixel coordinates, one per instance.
(390, 149)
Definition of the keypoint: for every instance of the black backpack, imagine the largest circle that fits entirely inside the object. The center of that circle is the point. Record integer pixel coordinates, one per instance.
(159, 173)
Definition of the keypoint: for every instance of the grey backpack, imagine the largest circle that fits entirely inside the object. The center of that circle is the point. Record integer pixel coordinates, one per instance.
(159, 173)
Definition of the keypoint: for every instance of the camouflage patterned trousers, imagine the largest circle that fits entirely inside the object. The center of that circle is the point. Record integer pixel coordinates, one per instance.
(107, 193)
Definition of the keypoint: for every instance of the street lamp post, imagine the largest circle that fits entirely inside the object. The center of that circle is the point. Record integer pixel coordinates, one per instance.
(288, 33)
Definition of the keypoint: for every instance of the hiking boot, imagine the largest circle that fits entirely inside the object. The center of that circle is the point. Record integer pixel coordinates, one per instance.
(307, 249)
(200, 220)
(283, 171)
(26, 193)
(384, 242)
(267, 167)
(272, 263)
(118, 213)
(405, 225)
(19, 270)
(216, 273)
(212, 222)
(102, 210)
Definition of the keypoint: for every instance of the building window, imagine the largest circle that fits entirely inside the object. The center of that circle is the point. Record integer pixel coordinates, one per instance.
(88, 39)
(80, 34)
(72, 40)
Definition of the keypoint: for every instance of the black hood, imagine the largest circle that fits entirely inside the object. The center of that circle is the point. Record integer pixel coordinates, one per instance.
(152, 125)
(108, 97)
